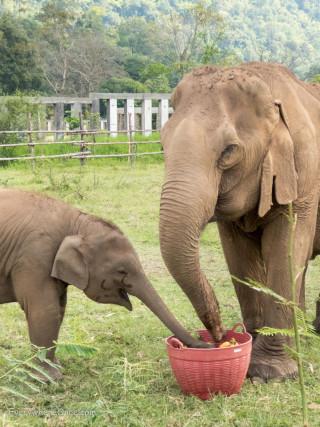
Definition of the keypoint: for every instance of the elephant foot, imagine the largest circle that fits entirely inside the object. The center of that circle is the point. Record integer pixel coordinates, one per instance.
(270, 362)
(316, 324)
(50, 373)
(270, 369)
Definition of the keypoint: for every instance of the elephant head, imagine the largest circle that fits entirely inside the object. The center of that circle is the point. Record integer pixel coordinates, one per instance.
(105, 266)
(228, 152)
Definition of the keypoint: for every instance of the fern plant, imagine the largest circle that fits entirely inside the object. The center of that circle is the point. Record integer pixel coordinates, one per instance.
(25, 377)
(301, 327)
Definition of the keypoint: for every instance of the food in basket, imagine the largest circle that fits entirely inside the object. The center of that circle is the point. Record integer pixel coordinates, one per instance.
(227, 344)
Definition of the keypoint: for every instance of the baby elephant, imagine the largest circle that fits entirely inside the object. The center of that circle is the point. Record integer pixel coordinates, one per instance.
(46, 245)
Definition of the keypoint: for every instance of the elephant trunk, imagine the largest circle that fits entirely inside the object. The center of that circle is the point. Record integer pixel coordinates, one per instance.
(148, 295)
(186, 207)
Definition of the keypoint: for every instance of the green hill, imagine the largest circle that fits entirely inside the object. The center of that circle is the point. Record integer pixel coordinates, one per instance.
(56, 46)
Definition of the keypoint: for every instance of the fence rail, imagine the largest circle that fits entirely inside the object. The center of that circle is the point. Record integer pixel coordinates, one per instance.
(87, 141)
(77, 131)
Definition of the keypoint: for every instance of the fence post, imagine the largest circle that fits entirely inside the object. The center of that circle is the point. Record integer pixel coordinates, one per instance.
(113, 116)
(39, 135)
(76, 109)
(163, 112)
(59, 119)
(146, 120)
(129, 114)
(132, 144)
(30, 142)
(95, 106)
(82, 144)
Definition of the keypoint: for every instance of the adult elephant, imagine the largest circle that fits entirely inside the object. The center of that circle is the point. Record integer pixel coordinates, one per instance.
(241, 145)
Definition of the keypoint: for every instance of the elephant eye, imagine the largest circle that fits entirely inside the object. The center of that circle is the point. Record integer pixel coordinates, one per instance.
(124, 279)
(230, 156)
(228, 150)
(102, 285)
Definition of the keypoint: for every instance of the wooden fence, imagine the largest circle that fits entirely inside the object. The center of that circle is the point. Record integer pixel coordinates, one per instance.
(87, 142)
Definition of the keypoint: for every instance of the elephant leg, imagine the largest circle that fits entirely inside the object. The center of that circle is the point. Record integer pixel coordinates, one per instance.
(269, 356)
(243, 256)
(316, 322)
(316, 252)
(43, 301)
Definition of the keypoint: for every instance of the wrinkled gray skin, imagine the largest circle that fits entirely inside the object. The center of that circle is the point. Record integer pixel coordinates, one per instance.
(241, 144)
(45, 245)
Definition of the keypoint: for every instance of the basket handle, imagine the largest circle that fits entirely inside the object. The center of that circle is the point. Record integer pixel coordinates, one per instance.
(239, 325)
(176, 343)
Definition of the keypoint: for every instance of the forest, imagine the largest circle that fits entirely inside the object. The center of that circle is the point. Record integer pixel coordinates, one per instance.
(73, 48)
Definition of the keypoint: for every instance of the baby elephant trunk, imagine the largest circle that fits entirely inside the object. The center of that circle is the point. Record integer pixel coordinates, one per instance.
(152, 300)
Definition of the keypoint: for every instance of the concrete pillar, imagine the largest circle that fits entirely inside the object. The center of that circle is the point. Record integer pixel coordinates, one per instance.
(129, 114)
(103, 124)
(76, 110)
(59, 118)
(121, 121)
(112, 115)
(137, 120)
(146, 117)
(163, 111)
(95, 106)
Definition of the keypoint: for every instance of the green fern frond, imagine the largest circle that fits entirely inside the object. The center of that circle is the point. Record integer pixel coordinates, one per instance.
(267, 331)
(77, 349)
(26, 383)
(41, 354)
(36, 378)
(292, 352)
(15, 393)
(304, 331)
(40, 370)
(313, 335)
(26, 375)
(50, 363)
(259, 287)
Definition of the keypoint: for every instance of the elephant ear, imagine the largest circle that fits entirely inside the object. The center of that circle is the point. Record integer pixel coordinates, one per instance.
(279, 175)
(69, 264)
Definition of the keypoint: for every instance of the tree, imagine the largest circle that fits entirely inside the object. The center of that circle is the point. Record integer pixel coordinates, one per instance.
(135, 64)
(159, 84)
(156, 77)
(55, 44)
(316, 78)
(145, 38)
(76, 52)
(313, 74)
(195, 30)
(282, 31)
(19, 69)
(92, 59)
(124, 84)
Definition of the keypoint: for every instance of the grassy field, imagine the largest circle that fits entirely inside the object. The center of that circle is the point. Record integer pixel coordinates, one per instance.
(129, 381)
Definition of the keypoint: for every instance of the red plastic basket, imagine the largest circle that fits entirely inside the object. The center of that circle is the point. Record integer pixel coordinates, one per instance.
(205, 372)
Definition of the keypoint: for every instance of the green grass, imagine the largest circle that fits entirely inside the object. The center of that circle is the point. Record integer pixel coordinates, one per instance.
(129, 381)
